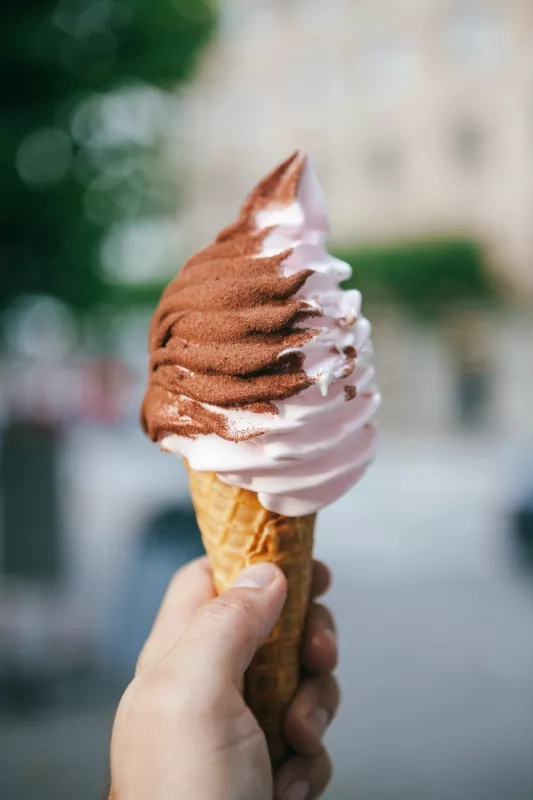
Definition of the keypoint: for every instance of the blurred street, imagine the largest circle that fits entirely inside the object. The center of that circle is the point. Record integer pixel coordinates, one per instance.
(436, 667)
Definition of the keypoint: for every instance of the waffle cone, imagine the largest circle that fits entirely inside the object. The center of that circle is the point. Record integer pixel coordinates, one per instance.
(237, 531)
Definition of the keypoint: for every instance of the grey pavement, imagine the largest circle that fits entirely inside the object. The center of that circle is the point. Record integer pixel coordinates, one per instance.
(63, 756)
(435, 622)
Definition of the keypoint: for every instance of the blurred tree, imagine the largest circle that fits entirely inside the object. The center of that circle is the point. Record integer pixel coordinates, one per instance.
(425, 277)
(61, 62)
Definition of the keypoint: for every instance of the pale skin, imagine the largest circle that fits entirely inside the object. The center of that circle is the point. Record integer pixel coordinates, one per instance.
(182, 728)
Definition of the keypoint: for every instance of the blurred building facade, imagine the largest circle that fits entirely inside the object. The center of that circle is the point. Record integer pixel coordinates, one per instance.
(419, 117)
(418, 114)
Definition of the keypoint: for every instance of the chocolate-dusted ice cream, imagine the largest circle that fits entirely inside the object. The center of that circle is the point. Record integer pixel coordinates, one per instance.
(260, 366)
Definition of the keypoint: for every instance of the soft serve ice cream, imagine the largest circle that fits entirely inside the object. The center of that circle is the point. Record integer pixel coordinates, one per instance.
(261, 365)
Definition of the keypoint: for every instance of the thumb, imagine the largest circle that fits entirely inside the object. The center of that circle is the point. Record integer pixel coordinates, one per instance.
(225, 632)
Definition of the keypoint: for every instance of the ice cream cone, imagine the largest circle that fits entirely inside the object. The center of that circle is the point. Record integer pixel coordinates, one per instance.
(261, 370)
(237, 531)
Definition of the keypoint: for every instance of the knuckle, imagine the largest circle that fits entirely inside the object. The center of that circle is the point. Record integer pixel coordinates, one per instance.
(321, 578)
(334, 693)
(320, 772)
(321, 615)
(311, 692)
(320, 648)
(230, 605)
(325, 771)
(321, 692)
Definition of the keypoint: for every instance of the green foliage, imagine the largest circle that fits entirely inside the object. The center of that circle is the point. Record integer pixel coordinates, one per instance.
(143, 295)
(423, 276)
(56, 57)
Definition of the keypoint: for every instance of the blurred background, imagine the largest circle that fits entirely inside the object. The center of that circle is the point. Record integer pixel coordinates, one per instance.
(130, 134)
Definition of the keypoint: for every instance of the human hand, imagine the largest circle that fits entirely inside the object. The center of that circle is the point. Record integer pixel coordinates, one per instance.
(182, 728)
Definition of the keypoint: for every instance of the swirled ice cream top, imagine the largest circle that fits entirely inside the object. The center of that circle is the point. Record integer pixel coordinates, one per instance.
(261, 365)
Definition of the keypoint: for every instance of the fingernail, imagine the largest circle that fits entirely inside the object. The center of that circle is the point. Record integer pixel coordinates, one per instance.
(257, 576)
(297, 791)
(319, 720)
(330, 634)
(322, 635)
(329, 626)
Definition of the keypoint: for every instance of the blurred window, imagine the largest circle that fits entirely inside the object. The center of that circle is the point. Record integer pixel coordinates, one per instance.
(474, 33)
(385, 163)
(469, 144)
(30, 509)
(388, 61)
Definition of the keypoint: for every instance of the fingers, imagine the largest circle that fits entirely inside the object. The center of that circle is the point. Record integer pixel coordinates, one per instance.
(190, 588)
(319, 649)
(303, 777)
(320, 580)
(226, 631)
(310, 714)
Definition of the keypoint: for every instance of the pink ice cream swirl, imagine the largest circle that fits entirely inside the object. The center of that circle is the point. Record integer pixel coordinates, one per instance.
(321, 439)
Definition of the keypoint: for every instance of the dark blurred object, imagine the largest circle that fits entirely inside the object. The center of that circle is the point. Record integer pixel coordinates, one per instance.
(523, 530)
(170, 539)
(175, 527)
(473, 396)
(20, 693)
(55, 57)
(26, 691)
(424, 277)
(522, 521)
(29, 509)
(468, 337)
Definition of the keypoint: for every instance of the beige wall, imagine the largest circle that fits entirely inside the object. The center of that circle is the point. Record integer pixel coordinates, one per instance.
(417, 371)
(418, 113)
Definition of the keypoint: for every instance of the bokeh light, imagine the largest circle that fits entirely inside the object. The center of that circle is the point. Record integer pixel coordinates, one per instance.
(44, 157)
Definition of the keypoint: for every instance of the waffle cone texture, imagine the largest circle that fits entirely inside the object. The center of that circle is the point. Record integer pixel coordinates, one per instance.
(237, 531)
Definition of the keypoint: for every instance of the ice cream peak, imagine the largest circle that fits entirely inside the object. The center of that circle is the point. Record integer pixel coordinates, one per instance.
(260, 364)
(226, 330)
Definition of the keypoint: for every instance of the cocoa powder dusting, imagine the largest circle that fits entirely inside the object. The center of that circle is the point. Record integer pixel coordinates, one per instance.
(349, 392)
(280, 186)
(252, 354)
(227, 326)
(222, 324)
